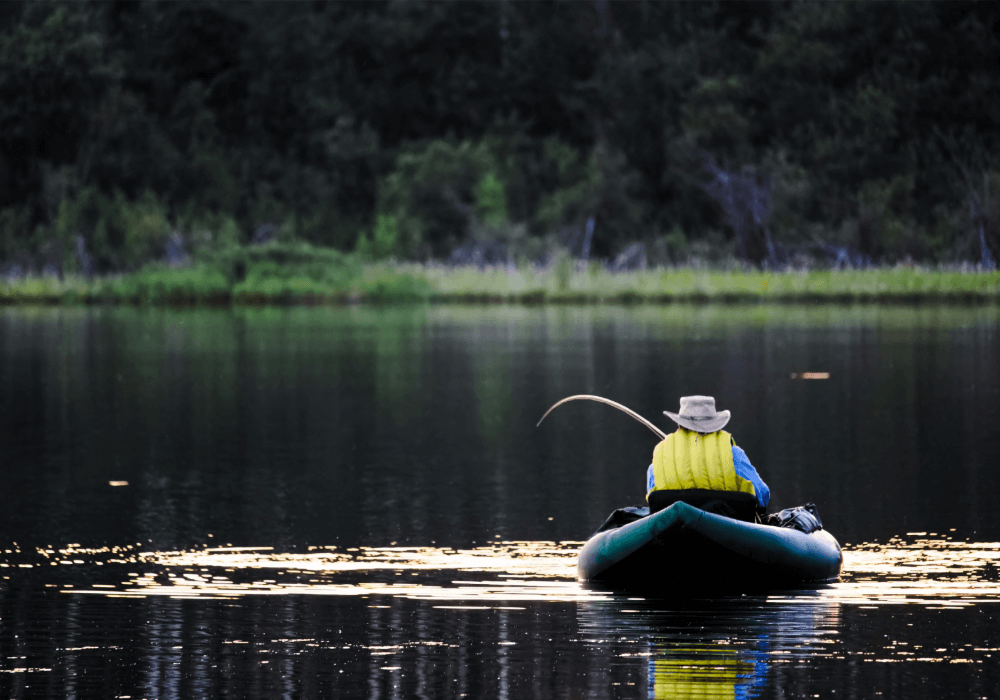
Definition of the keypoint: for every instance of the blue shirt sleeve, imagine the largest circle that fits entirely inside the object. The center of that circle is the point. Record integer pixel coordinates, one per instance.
(650, 480)
(746, 471)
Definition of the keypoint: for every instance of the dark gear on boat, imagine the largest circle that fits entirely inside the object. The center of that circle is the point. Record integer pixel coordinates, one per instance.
(623, 516)
(739, 506)
(802, 518)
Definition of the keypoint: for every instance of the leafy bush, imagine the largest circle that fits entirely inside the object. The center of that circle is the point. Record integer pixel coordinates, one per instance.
(491, 201)
(432, 193)
(574, 180)
(157, 284)
(669, 249)
(321, 117)
(118, 233)
(259, 287)
(384, 242)
(385, 284)
(597, 184)
(229, 233)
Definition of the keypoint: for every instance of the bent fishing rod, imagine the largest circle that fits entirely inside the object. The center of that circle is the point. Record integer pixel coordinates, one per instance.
(600, 399)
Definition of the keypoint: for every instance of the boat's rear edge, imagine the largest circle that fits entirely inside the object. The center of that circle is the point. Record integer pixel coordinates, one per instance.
(684, 543)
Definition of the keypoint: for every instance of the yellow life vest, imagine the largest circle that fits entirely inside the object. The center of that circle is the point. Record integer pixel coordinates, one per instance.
(724, 675)
(688, 460)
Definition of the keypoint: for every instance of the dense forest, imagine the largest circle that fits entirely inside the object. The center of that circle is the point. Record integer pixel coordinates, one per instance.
(840, 131)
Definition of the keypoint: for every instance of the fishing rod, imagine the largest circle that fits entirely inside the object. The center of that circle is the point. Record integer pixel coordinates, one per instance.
(600, 399)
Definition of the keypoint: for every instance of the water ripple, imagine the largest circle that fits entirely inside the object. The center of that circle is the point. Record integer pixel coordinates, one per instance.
(918, 569)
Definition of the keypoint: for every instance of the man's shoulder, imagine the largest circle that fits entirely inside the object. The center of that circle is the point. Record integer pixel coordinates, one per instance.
(739, 455)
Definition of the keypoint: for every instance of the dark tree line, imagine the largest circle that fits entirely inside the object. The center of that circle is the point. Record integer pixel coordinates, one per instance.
(413, 127)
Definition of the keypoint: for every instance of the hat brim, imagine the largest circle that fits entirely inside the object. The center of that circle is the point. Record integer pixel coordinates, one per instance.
(705, 425)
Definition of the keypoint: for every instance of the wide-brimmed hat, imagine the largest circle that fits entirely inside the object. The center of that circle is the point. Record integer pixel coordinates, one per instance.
(698, 413)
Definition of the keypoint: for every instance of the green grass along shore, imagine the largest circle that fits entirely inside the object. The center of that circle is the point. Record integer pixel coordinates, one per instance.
(299, 273)
(385, 283)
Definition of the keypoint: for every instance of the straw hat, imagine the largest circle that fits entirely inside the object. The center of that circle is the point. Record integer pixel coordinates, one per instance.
(698, 413)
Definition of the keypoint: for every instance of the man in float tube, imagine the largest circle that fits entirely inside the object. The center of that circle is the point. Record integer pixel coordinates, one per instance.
(701, 465)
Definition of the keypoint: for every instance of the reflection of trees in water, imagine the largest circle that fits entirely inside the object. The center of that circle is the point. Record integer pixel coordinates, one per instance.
(261, 418)
(711, 649)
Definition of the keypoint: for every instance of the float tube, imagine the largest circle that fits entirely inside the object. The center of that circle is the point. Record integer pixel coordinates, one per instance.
(685, 547)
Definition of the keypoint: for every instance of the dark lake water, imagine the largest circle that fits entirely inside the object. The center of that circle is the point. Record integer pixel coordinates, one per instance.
(355, 502)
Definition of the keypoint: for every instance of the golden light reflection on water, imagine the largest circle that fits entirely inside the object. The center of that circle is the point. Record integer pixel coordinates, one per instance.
(714, 648)
(524, 571)
(919, 569)
(928, 570)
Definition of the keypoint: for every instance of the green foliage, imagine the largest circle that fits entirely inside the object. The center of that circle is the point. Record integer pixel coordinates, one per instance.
(670, 248)
(563, 271)
(491, 201)
(386, 236)
(229, 234)
(284, 261)
(261, 286)
(386, 285)
(694, 283)
(597, 184)
(431, 194)
(124, 122)
(142, 227)
(119, 233)
(576, 178)
(713, 119)
(271, 284)
(51, 72)
(156, 284)
(882, 208)
(383, 243)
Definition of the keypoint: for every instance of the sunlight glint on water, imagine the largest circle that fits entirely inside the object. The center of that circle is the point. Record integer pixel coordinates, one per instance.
(912, 570)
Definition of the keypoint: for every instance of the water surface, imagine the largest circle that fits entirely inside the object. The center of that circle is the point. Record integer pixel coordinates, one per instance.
(357, 503)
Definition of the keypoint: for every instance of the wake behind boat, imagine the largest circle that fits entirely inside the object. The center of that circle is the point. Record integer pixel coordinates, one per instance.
(685, 547)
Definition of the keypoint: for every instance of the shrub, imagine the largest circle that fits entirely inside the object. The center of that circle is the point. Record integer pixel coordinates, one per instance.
(383, 285)
(157, 284)
(383, 244)
(284, 260)
(119, 233)
(491, 201)
(229, 233)
(432, 195)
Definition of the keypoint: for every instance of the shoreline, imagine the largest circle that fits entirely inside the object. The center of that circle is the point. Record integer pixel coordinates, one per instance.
(432, 284)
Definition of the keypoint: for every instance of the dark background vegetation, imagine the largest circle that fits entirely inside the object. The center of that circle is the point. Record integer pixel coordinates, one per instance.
(407, 128)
